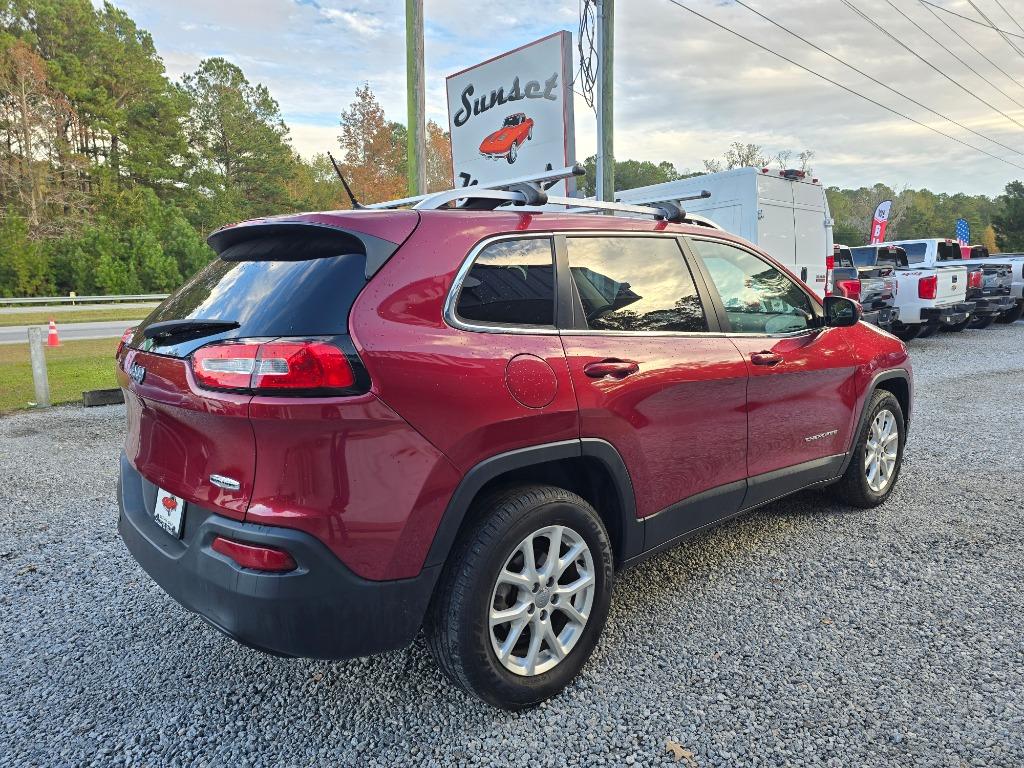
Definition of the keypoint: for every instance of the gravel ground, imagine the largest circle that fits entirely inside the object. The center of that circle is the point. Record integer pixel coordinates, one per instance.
(804, 634)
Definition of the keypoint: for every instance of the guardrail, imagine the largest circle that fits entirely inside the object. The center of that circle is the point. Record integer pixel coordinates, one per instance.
(84, 299)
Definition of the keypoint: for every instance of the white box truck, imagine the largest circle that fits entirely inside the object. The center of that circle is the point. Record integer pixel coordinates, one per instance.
(783, 212)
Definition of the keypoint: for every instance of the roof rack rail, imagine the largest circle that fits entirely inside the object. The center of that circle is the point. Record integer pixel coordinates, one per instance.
(532, 191)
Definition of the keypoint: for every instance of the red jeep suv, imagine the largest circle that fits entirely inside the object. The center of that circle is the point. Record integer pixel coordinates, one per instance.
(352, 426)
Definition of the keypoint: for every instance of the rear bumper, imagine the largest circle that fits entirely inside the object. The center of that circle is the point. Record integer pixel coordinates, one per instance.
(993, 305)
(320, 610)
(951, 314)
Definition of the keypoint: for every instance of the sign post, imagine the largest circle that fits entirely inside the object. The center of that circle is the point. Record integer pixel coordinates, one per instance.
(513, 115)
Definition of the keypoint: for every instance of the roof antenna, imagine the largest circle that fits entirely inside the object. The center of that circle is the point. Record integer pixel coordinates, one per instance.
(355, 203)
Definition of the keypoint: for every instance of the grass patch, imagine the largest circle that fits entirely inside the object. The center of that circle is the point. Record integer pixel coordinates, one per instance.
(73, 368)
(97, 315)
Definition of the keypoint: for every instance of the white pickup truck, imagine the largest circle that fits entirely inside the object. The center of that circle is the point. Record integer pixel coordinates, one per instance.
(932, 288)
(1014, 262)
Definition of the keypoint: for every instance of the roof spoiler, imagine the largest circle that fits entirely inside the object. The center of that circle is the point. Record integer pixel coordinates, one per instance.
(321, 240)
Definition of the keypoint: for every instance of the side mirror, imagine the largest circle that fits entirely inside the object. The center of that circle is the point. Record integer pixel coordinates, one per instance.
(841, 312)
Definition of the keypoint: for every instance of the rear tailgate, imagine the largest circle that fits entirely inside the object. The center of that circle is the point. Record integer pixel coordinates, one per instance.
(178, 435)
(293, 280)
(952, 284)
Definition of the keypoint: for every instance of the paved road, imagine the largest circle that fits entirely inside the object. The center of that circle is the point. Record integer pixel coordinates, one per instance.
(108, 329)
(75, 308)
(805, 634)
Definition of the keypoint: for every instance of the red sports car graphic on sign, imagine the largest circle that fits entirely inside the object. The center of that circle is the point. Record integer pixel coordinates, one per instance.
(505, 141)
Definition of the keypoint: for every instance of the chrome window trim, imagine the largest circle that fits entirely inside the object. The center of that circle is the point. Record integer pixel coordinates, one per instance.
(452, 318)
(810, 330)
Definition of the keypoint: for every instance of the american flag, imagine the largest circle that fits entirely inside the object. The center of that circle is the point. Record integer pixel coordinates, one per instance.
(963, 231)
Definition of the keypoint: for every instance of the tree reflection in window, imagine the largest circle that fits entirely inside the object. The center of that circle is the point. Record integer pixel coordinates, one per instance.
(758, 298)
(512, 282)
(635, 284)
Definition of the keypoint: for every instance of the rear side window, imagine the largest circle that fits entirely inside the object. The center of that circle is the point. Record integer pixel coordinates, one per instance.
(511, 282)
(916, 252)
(635, 284)
(864, 257)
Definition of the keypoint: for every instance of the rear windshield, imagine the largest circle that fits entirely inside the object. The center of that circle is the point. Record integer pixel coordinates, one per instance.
(275, 296)
(890, 258)
(949, 252)
(842, 257)
(864, 257)
(916, 252)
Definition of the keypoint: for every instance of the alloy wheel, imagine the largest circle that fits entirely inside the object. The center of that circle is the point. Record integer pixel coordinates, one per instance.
(542, 600)
(881, 451)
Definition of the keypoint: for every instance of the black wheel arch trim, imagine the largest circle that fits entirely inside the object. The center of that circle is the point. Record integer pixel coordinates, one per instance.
(887, 375)
(631, 531)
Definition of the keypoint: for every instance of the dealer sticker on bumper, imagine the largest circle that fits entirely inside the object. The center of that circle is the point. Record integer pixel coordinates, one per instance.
(169, 512)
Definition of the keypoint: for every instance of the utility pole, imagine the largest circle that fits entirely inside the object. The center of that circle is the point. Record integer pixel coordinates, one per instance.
(416, 147)
(605, 187)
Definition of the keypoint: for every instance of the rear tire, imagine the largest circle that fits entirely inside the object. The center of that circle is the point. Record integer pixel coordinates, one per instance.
(1012, 315)
(982, 322)
(883, 427)
(928, 329)
(549, 624)
(905, 332)
(957, 327)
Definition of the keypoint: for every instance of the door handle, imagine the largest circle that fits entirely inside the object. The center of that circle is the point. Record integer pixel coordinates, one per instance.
(765, 358)
(616, 368)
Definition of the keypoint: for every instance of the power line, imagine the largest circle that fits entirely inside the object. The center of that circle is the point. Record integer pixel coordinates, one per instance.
(978, 51)
(840, 85)
(1002, 34)
(875, 80)
(1003, 9)
(973, 21)
(915, 54)
(934, 40)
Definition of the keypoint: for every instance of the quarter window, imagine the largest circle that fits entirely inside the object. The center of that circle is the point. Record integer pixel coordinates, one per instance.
(758, 298)
(512, 282)
(634, 284)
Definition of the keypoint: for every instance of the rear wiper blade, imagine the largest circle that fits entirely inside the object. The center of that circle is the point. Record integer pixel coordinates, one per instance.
(195, 327)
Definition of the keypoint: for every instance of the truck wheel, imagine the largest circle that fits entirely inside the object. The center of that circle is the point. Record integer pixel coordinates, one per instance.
(928, 329)
(982, 322)
(905, 332)
(877, 454)
(957, 327)
(1012, 315)
(513, 153)
(523, 597)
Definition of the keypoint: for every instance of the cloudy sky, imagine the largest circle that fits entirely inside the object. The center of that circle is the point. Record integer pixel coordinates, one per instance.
(684, 89)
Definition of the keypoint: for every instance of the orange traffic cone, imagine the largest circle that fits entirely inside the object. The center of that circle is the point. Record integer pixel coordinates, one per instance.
(52, 339)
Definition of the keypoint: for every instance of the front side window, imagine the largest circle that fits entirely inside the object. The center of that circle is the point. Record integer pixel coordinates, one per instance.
(758, 298)
(512, 282)
(635, 284)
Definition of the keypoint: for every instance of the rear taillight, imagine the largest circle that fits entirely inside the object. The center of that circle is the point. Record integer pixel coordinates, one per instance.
(275, 367)
(125, 338)
(830, 265)
(848, 288)
(928, 287)
(975, 279)
(255, 557)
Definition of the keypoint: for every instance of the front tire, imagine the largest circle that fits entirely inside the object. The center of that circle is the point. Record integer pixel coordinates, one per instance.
(524, 596)
(877, 454)
(513, 153)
